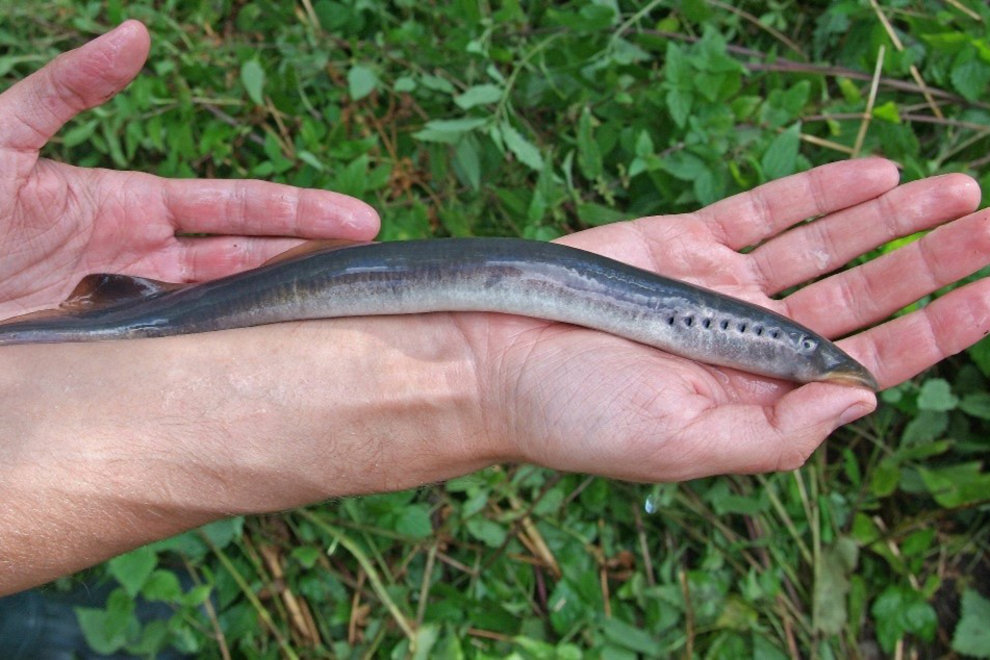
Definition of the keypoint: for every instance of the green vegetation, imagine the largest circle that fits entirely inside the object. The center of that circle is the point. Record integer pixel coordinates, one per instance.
(461, 118)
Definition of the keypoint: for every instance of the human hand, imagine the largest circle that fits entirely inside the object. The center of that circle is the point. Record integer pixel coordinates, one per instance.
(579, 400)
(59, 222)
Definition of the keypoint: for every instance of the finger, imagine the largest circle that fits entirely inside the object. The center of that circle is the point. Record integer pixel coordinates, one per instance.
(869, 293)
(33, 109)
(827, 244)
(754, 216)
(259, 208)
(905, 346)
(746, 438)
(207, 258)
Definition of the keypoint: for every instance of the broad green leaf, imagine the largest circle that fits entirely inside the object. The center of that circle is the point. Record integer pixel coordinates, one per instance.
(900, 610)
(222, 532)
(780, 158)
(479, 95)
(972, 634)
(980, 353)
(970, 75)
(414, 521)
(523, 149)
(884, 478)
(132, 569)
(487, 531)
(926, 427)
(832, 586)
(164, 586)
(936, 395)
(596, 214)
(93, 624)
(253, 79)
(976, 404)
(361, 81)
(957, 485)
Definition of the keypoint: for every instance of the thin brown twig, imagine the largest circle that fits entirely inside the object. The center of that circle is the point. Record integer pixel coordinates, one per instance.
(870, 102)
(964, 9)
(775, 33)
(644, 547)
(211, 613)
(900, 47)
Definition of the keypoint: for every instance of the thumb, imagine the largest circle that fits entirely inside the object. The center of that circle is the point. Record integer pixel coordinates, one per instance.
(749, 438)
(33, 109)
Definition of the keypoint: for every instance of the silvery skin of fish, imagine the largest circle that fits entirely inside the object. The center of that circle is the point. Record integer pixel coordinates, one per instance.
(512, 276)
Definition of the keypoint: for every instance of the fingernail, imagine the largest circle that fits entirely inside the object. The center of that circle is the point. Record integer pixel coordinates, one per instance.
(854, 412)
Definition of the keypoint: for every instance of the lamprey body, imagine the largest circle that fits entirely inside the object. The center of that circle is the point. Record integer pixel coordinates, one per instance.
(509, 276)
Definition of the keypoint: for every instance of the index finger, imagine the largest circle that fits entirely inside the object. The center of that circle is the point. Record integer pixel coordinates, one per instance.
(751, 217)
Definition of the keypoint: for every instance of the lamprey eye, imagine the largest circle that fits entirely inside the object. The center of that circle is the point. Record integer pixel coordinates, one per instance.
(808, 344)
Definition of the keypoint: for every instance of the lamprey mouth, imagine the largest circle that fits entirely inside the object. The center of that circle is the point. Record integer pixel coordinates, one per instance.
(855, 376)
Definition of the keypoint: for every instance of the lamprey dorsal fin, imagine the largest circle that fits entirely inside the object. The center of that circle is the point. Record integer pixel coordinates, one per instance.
(100, 291)
(312, 247)
(105, 290)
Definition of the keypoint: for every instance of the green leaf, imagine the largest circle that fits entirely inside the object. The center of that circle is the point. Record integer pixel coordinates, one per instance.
(361, 81)
(448, 131)
(888, 112)
(957, 485)
(925, 427)
(487, 531)
(589, 154)
(414, 520)
(162, 586)
(523, 149)
(467, 161)
(596, 214)
(679, 103)
(970, 75)
(900, 610)
(630, 637)
(936, 394)
(222, 532)
(972, 634)
(976, 404)
(479, 95)
(780, 158)
(306, 555)
(253, 79)
(884, 479)
(132, 569)
(93, 624)
(980, 353)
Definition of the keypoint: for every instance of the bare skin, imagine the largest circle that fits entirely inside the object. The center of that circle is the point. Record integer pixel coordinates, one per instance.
(108, 446)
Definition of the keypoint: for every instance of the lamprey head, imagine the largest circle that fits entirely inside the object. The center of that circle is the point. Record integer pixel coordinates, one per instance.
(838, 367)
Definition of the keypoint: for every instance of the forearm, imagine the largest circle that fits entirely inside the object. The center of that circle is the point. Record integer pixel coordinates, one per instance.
(108, 446)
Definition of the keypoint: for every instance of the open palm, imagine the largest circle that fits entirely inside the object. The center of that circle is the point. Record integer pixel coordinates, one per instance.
(583, 401)
(60, 222)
